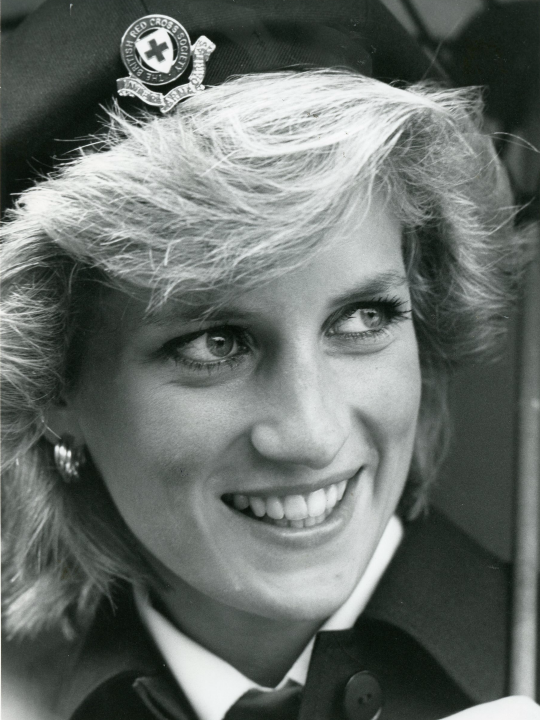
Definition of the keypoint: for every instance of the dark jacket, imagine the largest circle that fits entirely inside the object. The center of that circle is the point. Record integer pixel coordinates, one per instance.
(434, 635)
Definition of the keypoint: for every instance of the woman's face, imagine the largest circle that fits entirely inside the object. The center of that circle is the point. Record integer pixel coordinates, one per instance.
(227, 442)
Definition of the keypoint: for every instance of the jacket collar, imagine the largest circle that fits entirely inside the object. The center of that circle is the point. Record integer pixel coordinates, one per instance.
(440, 589)
(452, 596)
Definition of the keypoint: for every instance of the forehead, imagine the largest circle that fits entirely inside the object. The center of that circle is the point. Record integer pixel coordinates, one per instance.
(364, 258)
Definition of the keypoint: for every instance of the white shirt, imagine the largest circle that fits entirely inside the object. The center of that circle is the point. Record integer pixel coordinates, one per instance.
(212, 685)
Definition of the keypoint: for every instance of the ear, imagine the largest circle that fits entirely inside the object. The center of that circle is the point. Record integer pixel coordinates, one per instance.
(62, 419)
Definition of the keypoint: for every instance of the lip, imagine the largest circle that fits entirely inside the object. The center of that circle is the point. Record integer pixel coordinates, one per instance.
(304, 489)
(302, 537)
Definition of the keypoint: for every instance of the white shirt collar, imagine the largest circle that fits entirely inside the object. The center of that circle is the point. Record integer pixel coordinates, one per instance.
(212, 685)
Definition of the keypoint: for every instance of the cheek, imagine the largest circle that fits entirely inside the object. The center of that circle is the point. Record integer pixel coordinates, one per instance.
(129, 420)
(386, 404)
(398, 402)
(157, 447)
(385, 392)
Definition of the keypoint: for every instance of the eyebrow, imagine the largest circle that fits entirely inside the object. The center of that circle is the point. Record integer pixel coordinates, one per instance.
(178, 312)
(211, 311)
(376, 285)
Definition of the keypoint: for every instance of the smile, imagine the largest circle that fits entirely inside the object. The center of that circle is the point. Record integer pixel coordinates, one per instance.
(292, 511)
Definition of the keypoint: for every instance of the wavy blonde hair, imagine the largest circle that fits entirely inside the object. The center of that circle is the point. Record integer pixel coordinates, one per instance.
(243, 183)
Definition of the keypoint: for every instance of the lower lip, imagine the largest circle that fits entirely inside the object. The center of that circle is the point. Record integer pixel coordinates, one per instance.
(307, 536)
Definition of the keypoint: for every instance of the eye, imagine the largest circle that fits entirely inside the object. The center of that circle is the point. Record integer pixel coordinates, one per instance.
(367, 321)
(214, 344)
(362, 320)
(208, 348)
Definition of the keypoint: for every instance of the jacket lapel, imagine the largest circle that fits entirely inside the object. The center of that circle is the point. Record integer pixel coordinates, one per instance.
(452, 596)
(118, 664)
(387, 662)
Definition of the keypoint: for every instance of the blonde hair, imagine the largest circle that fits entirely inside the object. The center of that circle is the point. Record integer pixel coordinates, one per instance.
(243, 183)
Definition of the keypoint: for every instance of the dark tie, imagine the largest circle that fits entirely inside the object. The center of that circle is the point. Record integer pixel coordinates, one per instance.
(281, 704)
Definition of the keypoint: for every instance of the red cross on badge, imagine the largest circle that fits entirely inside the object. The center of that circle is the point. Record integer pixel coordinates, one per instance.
(156, 50)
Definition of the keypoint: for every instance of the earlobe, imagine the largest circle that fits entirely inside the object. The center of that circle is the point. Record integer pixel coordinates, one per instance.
(62, 430)
(60, 420)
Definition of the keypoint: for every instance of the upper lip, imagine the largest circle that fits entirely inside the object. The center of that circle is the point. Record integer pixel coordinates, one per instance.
(299, 489)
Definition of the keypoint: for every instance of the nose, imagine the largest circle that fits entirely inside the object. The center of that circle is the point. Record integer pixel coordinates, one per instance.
(305, 419)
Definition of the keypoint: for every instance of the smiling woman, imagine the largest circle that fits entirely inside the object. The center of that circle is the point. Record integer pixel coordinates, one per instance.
(228, 334)
(307, 388)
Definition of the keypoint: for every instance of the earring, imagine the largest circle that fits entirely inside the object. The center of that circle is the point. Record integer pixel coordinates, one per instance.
(69, 459)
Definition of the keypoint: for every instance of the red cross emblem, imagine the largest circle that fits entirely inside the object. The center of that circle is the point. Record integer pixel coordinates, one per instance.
(156, 50)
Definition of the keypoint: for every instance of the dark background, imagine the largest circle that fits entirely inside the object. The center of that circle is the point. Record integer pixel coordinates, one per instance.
(494, 44)
(477, 43)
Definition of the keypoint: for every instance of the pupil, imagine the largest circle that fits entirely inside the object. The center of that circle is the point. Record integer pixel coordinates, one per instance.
(372, 318)
(220, 344)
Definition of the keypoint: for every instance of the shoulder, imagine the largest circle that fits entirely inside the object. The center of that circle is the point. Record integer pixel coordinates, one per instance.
(112, 672)
(48, 676)
(32, 675)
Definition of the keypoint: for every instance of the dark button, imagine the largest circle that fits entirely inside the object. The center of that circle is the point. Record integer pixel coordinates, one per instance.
(363, 697)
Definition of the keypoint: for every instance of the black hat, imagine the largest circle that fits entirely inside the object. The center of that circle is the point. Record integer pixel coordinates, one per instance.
(62, 62)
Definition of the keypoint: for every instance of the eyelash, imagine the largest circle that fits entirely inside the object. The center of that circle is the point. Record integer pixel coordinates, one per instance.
(391, 307)
(171, 350)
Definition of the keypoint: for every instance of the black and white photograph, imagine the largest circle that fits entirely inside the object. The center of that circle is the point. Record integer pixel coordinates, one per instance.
(270, 359)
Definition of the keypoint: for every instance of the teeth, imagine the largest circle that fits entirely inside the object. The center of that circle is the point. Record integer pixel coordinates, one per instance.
(241, 502)
(274, 508)
(316, 503)
(295, 507)
(295, 511)
(258, 506)
(331, 497)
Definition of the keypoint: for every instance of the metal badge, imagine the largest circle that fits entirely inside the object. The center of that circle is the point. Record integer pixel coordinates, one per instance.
(156, 50)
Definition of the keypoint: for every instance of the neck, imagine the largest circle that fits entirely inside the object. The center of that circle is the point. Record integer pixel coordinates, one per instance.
(236, 636)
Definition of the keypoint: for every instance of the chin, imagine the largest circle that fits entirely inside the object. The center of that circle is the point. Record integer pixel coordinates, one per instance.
(305, 598)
